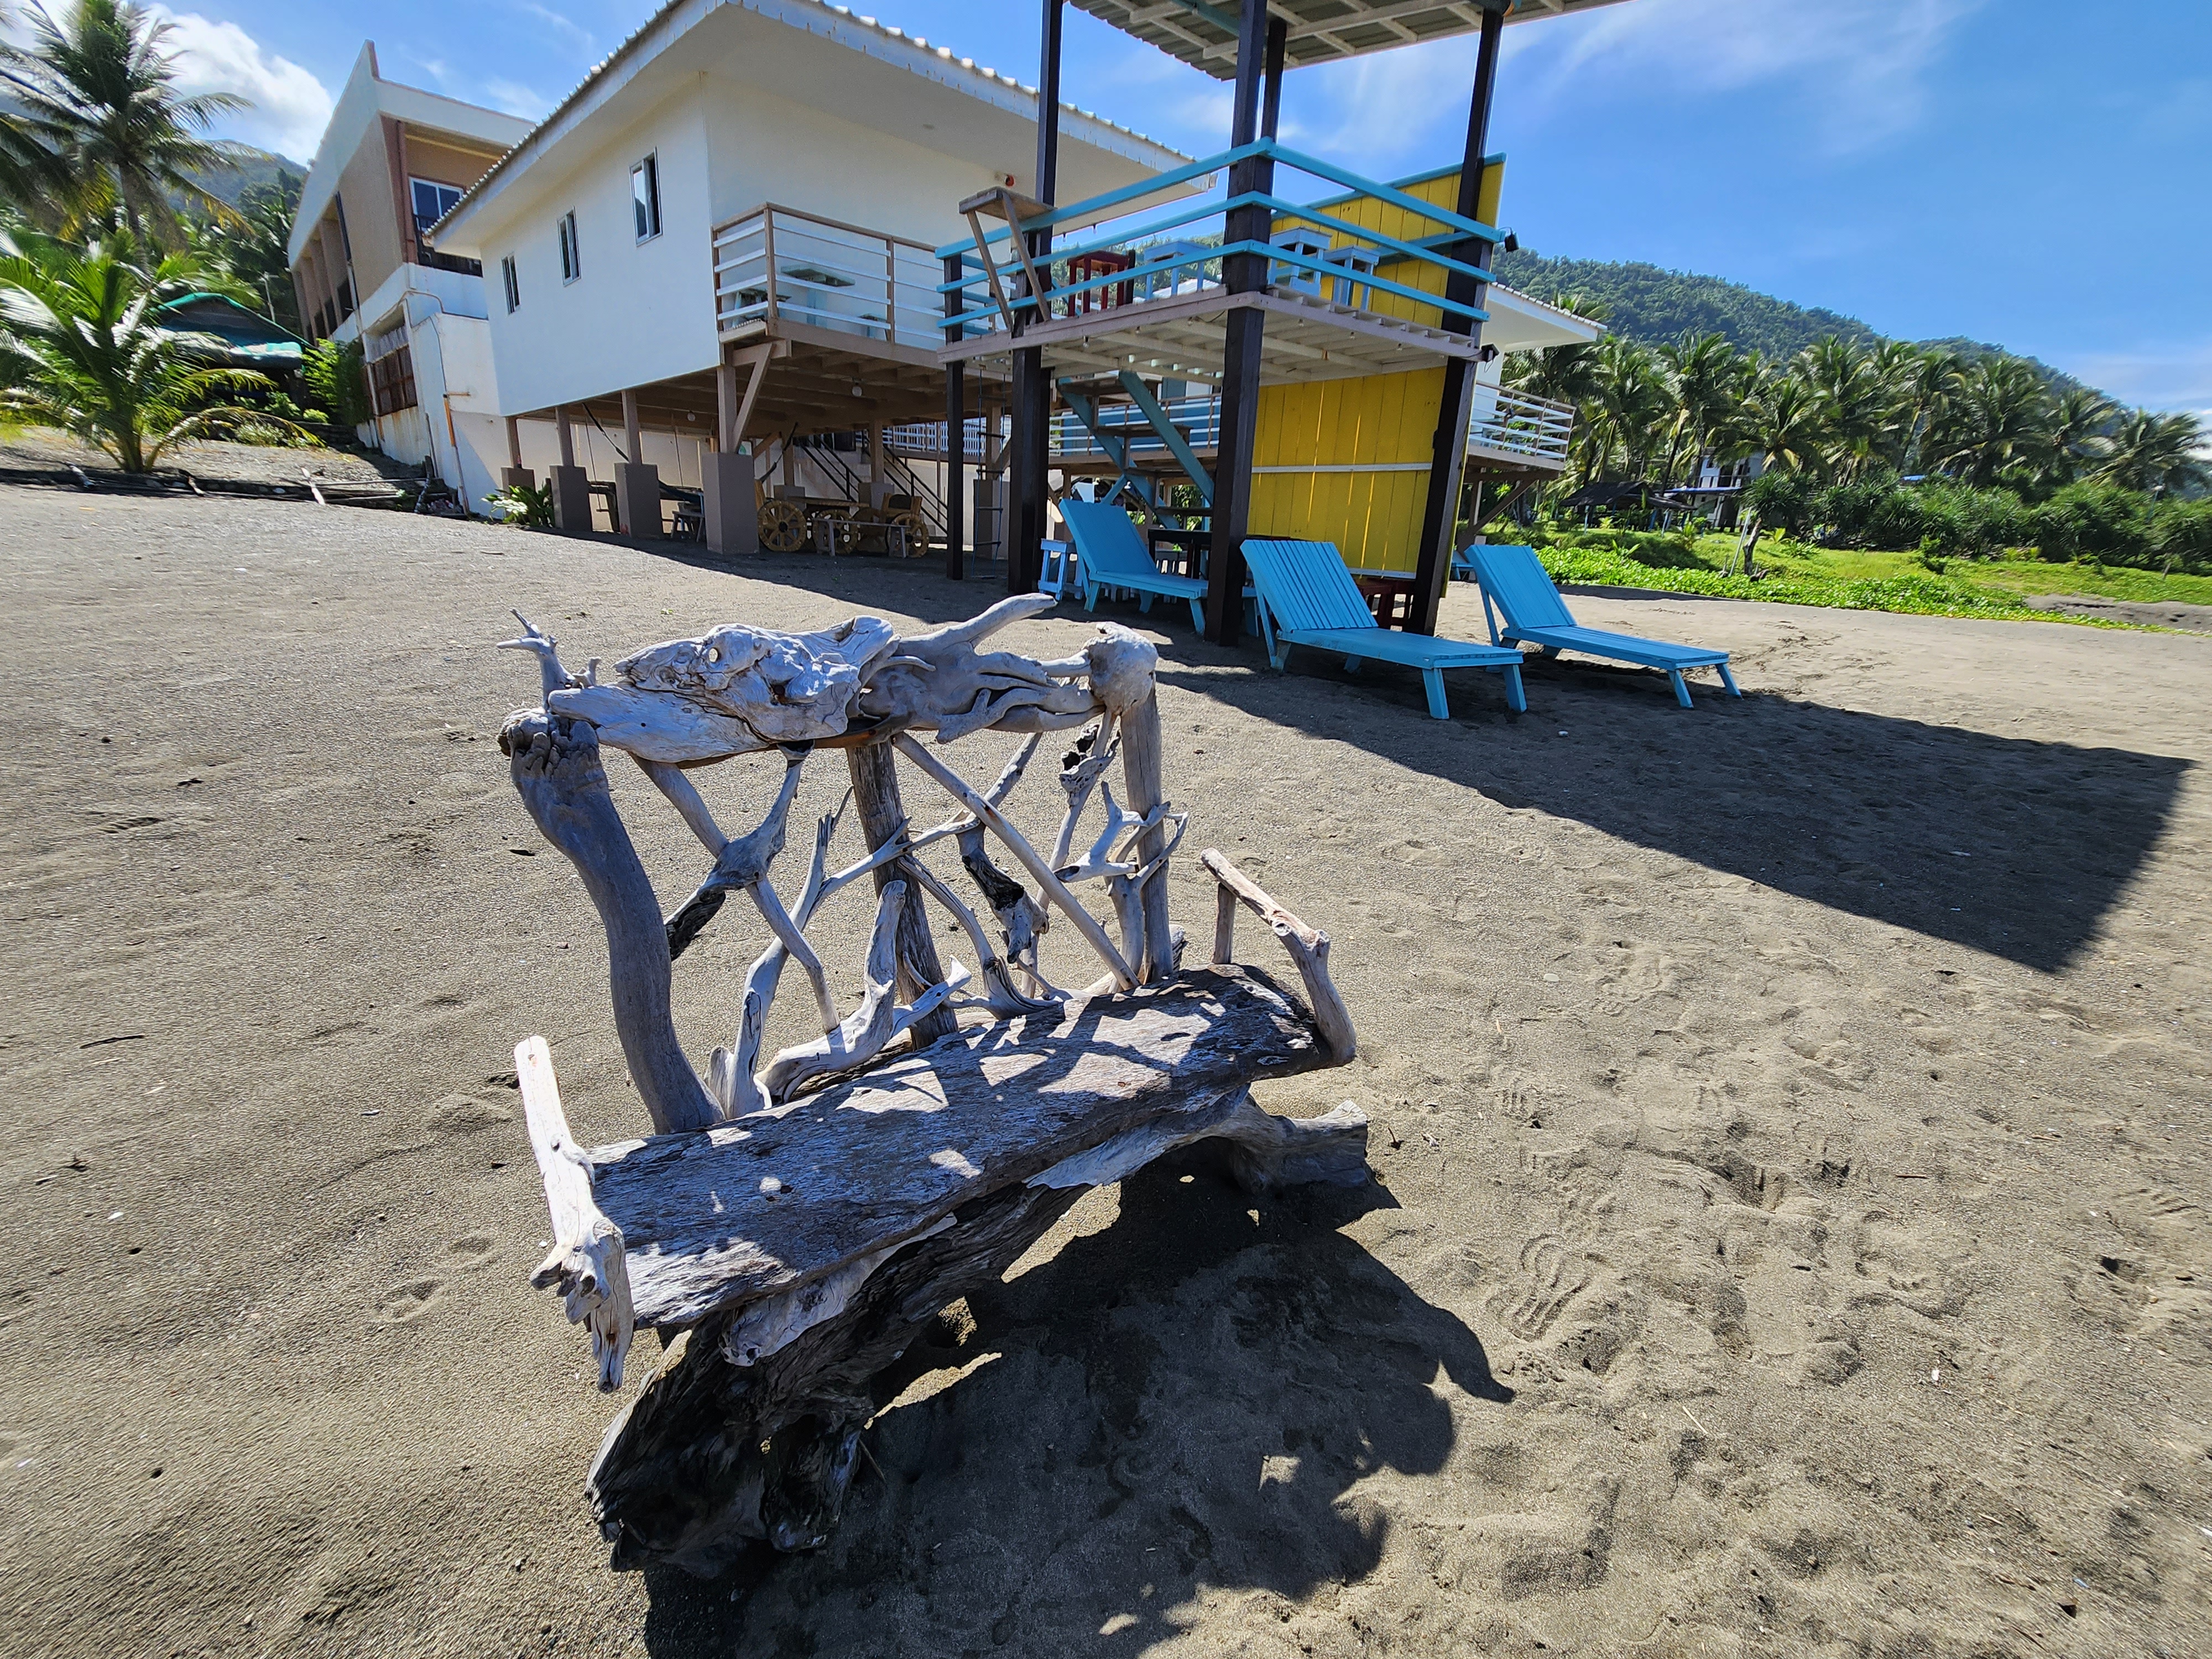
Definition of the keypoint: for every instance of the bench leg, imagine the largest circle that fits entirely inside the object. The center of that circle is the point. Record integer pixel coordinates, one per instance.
(1144, 604)
(1515, 698)
(1728, 680)
(1352, 665)
(1682, 690)
(1090, 596)
(1433, 678)
(1198, 614)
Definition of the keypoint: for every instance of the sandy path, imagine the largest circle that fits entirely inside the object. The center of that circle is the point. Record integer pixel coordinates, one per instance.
(1791, 1118)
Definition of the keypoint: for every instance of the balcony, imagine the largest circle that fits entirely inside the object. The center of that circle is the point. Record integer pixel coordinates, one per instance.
(1515, 429)
(1355, 283)
(1507, 427)
(829, 279)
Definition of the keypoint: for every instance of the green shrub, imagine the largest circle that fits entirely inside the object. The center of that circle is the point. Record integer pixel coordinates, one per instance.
(338, 376)
(524, 507)
(2094, 524)
(2181, 537)
(1783, 500)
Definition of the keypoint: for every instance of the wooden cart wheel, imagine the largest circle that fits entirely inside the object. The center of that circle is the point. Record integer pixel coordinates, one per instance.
(782, 527)
(917, 531)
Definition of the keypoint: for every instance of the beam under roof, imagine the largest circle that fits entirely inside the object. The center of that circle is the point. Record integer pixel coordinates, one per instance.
(1203, 33)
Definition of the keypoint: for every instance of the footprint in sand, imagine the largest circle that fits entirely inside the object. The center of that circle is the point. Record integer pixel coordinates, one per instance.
(472, 1249)
(458, 1114)
(1551, 1276)
(409, 1300)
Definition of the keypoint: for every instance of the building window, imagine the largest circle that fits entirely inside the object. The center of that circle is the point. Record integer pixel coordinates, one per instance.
(391, 381)
(645, 197)
(572, 262)
(513, 287)
(431, 201)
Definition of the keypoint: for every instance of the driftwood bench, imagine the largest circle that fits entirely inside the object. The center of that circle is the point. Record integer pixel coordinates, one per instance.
(795, 1222)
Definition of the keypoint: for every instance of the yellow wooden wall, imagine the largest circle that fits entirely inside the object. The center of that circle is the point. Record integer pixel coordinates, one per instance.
(1381, 424)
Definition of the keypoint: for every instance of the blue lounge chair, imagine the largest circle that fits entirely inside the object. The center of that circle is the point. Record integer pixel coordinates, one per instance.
(1109, 553)
(1514, 583)
(1308, 598)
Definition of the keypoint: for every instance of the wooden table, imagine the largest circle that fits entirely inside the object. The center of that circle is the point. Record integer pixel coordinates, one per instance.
(1389, 593)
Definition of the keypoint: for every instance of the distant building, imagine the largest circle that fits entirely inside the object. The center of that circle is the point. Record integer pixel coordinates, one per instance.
(393, 159)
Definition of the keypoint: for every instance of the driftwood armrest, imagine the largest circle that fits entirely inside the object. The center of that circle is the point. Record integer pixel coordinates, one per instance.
(1309, 949)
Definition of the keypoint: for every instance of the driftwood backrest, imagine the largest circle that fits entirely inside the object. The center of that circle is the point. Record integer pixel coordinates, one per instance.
(861, 688)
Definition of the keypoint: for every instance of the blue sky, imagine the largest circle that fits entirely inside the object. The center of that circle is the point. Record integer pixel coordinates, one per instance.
(2032, 173)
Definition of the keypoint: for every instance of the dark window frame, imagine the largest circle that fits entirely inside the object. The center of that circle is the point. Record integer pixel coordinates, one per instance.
(572, 256)
(512, 281)
(645, 197)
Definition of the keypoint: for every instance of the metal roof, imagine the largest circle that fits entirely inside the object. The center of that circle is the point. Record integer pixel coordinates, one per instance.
(1203, 33)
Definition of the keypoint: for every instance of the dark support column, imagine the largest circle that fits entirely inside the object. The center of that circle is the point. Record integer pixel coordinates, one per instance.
(1032, 391)
(955, 419)
(1440, 516)
(1259, 52)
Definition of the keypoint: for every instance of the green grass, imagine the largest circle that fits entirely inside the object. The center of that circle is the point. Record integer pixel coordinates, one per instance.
(1853, 580)
(2106, 581)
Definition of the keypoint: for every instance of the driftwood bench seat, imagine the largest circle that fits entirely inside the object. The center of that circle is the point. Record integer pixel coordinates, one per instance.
(796, 1221)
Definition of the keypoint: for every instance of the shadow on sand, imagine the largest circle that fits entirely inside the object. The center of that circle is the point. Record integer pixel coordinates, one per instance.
(2006, 845)
(1186, 1396)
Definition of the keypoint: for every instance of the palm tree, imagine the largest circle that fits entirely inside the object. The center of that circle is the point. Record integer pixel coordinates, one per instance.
(1704, 372)
(1853, 399)
(1784, 421)
(2157, 454)
(2074, 437)
(1999, 416)
(80, 348)
(1630, 408)
(97, 91)
(1925, 387)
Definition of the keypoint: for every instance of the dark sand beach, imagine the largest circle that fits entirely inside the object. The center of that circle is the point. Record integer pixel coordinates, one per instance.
(1791, 1117)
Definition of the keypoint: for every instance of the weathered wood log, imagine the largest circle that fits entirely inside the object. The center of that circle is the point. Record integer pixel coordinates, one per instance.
(875, 1024)
(586, 1263)
(1141, 777)
(1055, 889)
(883, 820)
(747, 1431)
(1309, 949)
(557, 771)
(766, 1204)
(715, 1454)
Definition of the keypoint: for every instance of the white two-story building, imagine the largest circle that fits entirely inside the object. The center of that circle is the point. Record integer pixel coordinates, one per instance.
(721, 243)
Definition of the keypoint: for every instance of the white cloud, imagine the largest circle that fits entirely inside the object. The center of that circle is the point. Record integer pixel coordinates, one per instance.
(2176, 375)
(1863, 62)
(493, 92)
(291, 107)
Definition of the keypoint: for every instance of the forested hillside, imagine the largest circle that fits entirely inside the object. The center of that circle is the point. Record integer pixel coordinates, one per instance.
(1657, 307)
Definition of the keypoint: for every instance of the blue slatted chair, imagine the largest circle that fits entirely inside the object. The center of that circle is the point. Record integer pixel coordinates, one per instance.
(1110, 553)
(1308, 598)
(1514, 582)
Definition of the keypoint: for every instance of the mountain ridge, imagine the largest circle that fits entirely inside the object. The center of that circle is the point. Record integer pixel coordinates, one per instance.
(1653, 305)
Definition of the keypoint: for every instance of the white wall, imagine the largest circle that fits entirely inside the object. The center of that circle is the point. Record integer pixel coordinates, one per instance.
(774, 149)
(641, 311)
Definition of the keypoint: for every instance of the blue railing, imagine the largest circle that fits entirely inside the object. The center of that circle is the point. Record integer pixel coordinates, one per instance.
(1143, 254)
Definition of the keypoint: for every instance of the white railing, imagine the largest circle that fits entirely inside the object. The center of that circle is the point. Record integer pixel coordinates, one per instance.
(828, 276)
(1512, 424)
(1198, 418)
(982, 437)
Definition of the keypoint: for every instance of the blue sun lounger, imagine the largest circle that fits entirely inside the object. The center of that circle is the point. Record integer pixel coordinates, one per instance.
(1109, 553)
(1308, 598)
(1514, 582)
